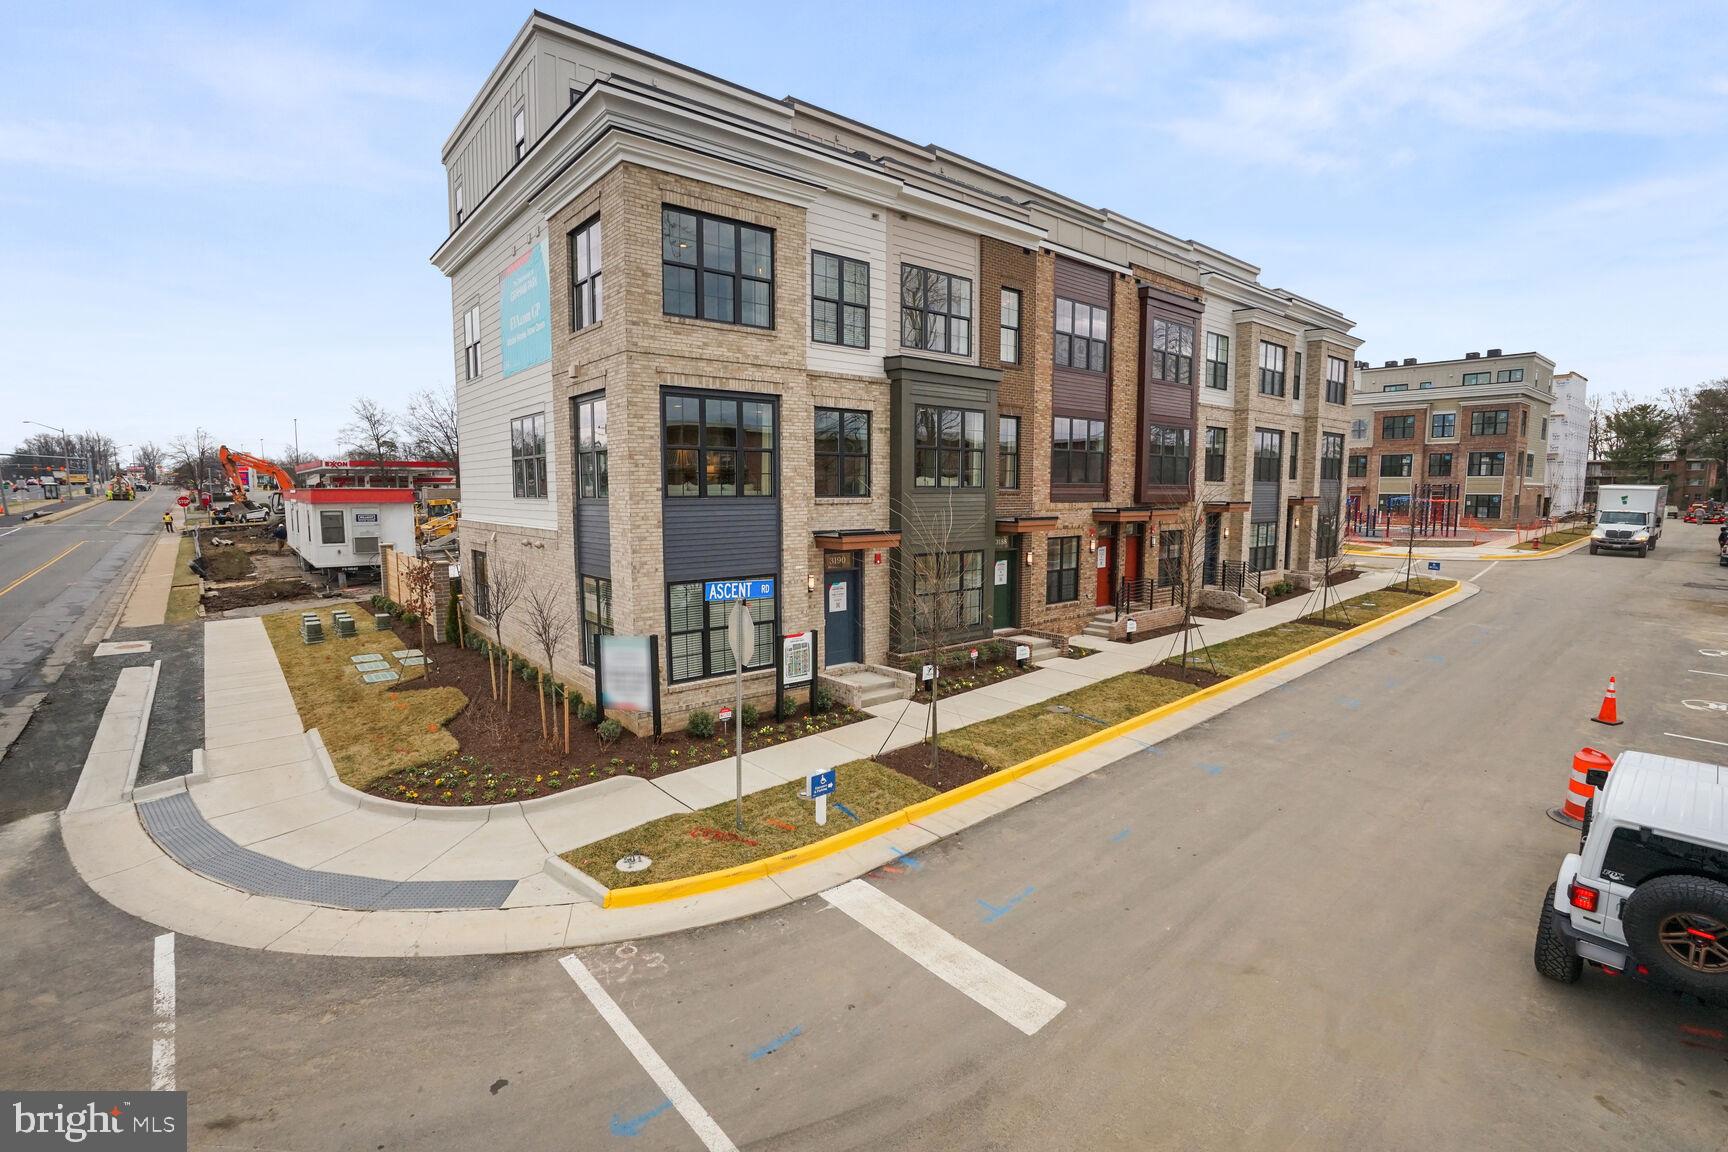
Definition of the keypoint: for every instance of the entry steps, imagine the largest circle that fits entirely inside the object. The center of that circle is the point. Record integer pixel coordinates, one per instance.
(1042, 648)
(872, 687)
(1100, 623)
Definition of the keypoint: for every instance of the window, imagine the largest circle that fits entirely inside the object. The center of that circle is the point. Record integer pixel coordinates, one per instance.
(331, 528)
(587, 305)
(1172, 351)
(1544, 434)
(1509, 376)
(528, 457)
(719, 269)
(1295, 454)
(1169, 558)
(1062, 570)
(460, 212)
(1217, 440)
(839, 300)
(1397, 427)
(1490, 422)
(1331, 455)
(575, 95)
(1425, 384)
(1083, 336)
(718, 446)
(1487, 463)
(1008, 452)
(1529, 465)
(1271, 369)
(1638, 854)
(697, 633)
(478, 585)
(1076, 451)
(1337, 381)
(1167, 455)
(1482, 507)
(521, 134)
(1524, 422)
(1217, 360)
(1443, 426)
(1009, 352)
(592, 481)
(1268, 454)
(1262, 545)
(1296, 379)
(948, 589)
(1439, 463)
(1358, 464)
(935, 311)
(1477, 377)
(471, 341)
(596, 615)
(1396, 388)
(1395, 465)
(842, 452)
(947, 448)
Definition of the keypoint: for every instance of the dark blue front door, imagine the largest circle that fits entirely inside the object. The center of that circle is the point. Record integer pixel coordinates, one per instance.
(839, 617)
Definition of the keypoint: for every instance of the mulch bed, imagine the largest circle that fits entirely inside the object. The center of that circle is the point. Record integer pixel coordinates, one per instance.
(252, 595)
(504, 759)
(1343, 575)
(952, 768)
(1198, 677)
(1290, 595)
(964, 679)
(1214, 614)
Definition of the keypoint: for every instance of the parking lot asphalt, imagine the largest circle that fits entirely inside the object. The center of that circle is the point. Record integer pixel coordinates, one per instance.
(1303, 924)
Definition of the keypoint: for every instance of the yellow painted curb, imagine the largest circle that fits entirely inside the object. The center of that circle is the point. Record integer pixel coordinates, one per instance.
(758, 869)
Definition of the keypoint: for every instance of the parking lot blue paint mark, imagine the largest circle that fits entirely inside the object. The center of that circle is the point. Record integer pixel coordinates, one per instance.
(1212, 769)
(848, 811)
(1280, 737)
(1118, 837)
(995, 912)
(1435, 658)
(904, 860)
(634, 1125)
(776, 1044)
(1392, 682)
(1350, 703)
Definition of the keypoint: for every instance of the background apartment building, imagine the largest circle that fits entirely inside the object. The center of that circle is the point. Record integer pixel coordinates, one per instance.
(1568, 441)
(1690, 480)
(704, 334)
(1476, 428)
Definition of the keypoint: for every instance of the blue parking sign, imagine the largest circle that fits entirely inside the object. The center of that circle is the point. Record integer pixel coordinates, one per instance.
(1433, 565)
(821, 783)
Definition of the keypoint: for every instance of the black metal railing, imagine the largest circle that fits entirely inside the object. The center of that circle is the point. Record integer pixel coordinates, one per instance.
(1132, 596)
(1233, 576)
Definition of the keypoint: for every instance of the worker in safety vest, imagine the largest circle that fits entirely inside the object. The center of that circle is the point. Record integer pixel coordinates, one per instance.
(167, 521)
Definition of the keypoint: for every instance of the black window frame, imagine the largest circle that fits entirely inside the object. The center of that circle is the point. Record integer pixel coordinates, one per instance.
(1064, 456)
(1268, 455)
(1169, 455)
(471, 342)
(1509, 376)
(1356, 467)
(1501, 422)
(958, 574)
(1331, 456)
(1007, 332)
(593, 479)
(528, 479)
(1296, 375)
(1062, 343)
(1398, 427)
(843, 306)
(918, 305)
(1217, 361)
(1217, 448)
(596, 615)
(1440, 464)
(1272, 378)
(1397, 465)
(841, 453)
(478, 583)
(1062, 570)
(1007, 454)
(1337, 380)
(1486, 464)
(1262, 545)
(587, 292)
(1295, 455)
(1170, 358)
(702, 448)
(1470, 379)
(700, 270)
(967, 458)
(1443, 426)
(714, 654)
(1474, 502)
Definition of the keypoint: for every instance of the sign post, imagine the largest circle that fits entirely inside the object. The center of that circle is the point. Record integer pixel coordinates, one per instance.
(741, 639)
(818, 785)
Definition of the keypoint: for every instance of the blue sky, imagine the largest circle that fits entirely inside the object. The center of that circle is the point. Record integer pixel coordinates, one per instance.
(221, 214)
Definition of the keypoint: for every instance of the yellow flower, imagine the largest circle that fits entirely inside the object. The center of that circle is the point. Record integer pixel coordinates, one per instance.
(537, 779)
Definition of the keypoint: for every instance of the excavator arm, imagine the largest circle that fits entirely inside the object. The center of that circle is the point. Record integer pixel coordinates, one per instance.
(232, 462)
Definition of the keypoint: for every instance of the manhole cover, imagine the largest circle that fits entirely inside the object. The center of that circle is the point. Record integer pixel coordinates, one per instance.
(635, 862)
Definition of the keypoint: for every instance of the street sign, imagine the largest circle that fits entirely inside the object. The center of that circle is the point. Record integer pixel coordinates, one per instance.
(722, 591)
(1433, 565)
(797, 657)
(817, 785)
(184, 501)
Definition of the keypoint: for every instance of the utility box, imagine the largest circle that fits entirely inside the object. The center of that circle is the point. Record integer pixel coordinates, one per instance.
(346, 528)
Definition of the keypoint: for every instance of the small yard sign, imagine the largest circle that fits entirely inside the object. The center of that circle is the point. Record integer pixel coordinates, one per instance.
(819, 785)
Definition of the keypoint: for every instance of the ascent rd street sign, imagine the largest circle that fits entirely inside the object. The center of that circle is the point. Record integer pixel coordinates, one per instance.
(721, 591)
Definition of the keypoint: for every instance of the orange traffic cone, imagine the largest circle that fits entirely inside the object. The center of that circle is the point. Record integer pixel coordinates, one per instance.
(1610, 713)
(1578, 789)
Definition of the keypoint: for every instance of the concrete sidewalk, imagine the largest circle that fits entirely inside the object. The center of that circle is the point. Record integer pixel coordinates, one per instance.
(263, 847)
(148, 603)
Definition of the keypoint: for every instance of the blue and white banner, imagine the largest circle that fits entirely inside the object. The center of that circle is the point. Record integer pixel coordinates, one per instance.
(525, 312)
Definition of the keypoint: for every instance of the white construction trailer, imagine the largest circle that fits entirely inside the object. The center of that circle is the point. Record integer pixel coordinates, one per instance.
(344, 529)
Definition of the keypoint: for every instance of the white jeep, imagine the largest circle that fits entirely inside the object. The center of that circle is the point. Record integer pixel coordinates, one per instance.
(1647, 890)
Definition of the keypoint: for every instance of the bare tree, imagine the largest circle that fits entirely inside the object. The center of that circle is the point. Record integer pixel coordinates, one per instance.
(505, 582)
(293, 460)
(549, 622)
(1191, 572)
(372, 434)
(430, 424)
(193, 457)
(421, 579)
(1680, 402)
(149, 457)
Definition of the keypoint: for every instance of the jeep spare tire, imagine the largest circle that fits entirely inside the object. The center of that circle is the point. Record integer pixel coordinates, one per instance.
(1677, 927)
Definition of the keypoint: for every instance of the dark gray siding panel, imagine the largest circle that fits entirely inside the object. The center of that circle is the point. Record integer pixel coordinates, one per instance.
(594, 537)
(1265, 501)
(721, 538)
(1329, 493)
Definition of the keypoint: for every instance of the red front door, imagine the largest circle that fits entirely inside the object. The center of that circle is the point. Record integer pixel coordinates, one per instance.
(1131, 559)
(1102, 560)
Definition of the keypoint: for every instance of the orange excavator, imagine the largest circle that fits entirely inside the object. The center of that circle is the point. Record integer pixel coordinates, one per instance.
(232, 462)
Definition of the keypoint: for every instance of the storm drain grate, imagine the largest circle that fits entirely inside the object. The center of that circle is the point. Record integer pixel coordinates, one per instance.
(175, 823)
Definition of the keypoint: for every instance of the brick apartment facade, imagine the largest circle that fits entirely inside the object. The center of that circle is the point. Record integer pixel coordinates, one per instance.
(775, 342)
(1690, 481)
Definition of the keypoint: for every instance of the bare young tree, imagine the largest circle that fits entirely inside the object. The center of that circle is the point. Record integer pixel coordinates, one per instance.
(430, 424)
(506, 580)
(372, 434)
(293, 460)
(193, 457)
(1191, 573)
(150, 458)
(549, 622)
(420, 578)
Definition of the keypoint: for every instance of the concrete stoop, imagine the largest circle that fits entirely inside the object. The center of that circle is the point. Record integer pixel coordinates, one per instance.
(1099, 625)
(1042, 647)
(861, 686)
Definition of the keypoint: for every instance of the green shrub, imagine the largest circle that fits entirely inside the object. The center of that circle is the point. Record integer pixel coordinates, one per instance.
(788, 708)
(750, 716)
(452, 622)
(824, 698)
(586, 712)
(609, 730)
(700, 724)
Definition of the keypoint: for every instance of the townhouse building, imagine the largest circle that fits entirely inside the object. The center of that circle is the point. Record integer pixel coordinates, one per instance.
(700, 333)
(1470, 434)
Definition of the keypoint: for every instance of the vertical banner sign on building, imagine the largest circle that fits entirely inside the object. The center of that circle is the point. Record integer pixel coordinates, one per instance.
(626, 673)
(525, 312)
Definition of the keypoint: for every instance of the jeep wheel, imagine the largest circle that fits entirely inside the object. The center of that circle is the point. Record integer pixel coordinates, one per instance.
(1555, 958)
(1677, 927)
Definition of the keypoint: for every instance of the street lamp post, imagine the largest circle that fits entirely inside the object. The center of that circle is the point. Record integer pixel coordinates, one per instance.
(65, 457)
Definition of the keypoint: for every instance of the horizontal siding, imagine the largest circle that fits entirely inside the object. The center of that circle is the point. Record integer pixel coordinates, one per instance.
(486, 405)
(844, 227)
(1079, 393)
(914, 241)
(721, 538)
(1265, 501)
(1082, 282)
(594, 537)
(1170, 403)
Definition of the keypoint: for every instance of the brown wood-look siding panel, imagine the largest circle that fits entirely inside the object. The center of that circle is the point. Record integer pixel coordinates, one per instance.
(1080, 393)
(1082, 282)
(1169, 403)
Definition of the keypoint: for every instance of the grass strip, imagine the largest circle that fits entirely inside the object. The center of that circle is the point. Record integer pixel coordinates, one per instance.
(368, 730)
(183, 588)
(775, 821)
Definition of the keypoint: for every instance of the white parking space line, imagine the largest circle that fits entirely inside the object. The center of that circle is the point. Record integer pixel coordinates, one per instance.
(1015, 999)
(1485, 571)
(1701, 672)
(1699, 739)
(694, 1114)
(162, 1000)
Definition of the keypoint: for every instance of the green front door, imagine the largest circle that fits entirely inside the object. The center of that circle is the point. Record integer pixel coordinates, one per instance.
(1002, 578)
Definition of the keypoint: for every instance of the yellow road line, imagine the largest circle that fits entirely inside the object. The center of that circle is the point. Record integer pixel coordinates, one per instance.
(123, 515)
(41, 567)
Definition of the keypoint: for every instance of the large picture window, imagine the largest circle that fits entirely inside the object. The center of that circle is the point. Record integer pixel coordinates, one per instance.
(1082, 336)
(587, 300)
(591, 452)
(1397, 427)
(1168, 453)
(947, 447)
(1172, 351)
(1490, 422)
(1008, 452)
(1263, 546)
(1062, 570)
(528, 457)
(1487, 463)
(696, 631)
(1395, 464)
(1482, 507)
(935, 311)
(1217, 440)
(842, 452)
(949, 590)
(596, 615)
(839, 300)
(1076, 451)
(716, 269)
(1271, 369)
(718, 445)
(1337, 380)
(1217, 360)
(1268, 454)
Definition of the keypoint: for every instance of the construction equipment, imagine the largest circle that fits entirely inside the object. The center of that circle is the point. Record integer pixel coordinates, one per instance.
(232, 462)
(438, 518)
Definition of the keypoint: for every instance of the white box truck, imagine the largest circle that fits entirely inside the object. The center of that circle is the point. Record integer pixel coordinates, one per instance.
(1628, 517)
